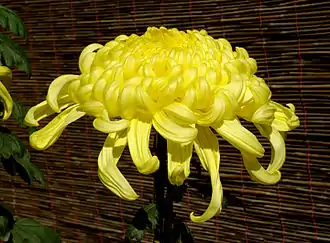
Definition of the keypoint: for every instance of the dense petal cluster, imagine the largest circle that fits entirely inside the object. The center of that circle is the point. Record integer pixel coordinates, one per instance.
(180, 83)
(6, 100)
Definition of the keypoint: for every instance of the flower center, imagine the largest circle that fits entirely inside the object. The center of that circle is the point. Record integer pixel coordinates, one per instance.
(140, 75)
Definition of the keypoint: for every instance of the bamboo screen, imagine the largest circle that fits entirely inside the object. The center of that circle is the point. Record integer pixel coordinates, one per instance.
(290, 41)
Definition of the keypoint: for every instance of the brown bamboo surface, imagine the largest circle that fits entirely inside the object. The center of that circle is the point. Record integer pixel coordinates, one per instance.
(290, 41)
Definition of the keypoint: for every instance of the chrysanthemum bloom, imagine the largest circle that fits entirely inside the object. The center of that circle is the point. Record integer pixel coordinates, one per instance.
(5, 77)
(182, 84)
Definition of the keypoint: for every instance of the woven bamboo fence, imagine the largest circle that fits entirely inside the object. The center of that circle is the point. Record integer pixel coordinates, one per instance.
(290, 41)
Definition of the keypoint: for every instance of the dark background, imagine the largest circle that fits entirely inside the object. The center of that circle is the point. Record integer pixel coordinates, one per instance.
(290, 41)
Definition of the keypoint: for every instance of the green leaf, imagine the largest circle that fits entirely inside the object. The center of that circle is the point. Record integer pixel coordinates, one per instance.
(30, 231)
(12, 54)
(33, 171)
(19, 113)
(9, 20)
(16, 158)
(6, 222)
(134, 234)
(152, 213)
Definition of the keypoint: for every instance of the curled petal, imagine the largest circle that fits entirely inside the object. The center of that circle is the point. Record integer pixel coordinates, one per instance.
(105, 125)
(241, 138)
(92, 108)
(47, 136)
(257, 172)
(178, 165)
(111, 97)
(272, 174)
(171, 130)
(56, 87)
(98, 89)
(108, 172)
(207, 149)
(148, 106)
(138, 143)
(220, 110)
(88, 50)
(277, 142)
(95, 75)
(285, 118)
(43, 110)
(7, 101)
(84, 93)
(72, 90)
(264, 115)
(86, 62)
(128, 102)
(180, 113)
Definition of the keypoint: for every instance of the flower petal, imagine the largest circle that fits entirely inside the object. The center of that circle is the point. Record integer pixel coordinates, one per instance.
(171, 130)
(7, 101)
(108, 172)
(272, 175)
(92, 108)
(111, 99)
(180, 113)
(207, 148)
(241, 138)
(138, 143)
(264, 115)
(257, 172)
(285, 118)
(56, 87)
(43, 110)
(178, 164)
(47, 136)
(87, 56)
(277, 142)
(105, 125)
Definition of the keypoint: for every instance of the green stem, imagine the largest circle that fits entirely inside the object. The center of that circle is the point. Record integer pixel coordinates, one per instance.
(163, 195)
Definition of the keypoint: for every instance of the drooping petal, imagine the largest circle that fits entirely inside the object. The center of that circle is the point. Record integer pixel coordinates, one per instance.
(105, 125)
(257, 172)
(47, 136)
(56, 87)
(7, 101)
(207, 149)
(241, 138)
(108, 172)
(171, 130)
(272, 174)
(285, 117)
(138, 143)
(43, 110)
(178, 164)
(277, 142)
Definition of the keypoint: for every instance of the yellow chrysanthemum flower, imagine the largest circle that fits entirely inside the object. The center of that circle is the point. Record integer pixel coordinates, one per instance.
(5, 76)
(182, 84)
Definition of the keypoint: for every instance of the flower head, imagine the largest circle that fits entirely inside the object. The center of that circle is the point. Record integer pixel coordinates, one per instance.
(180, 83)
(5, 76)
